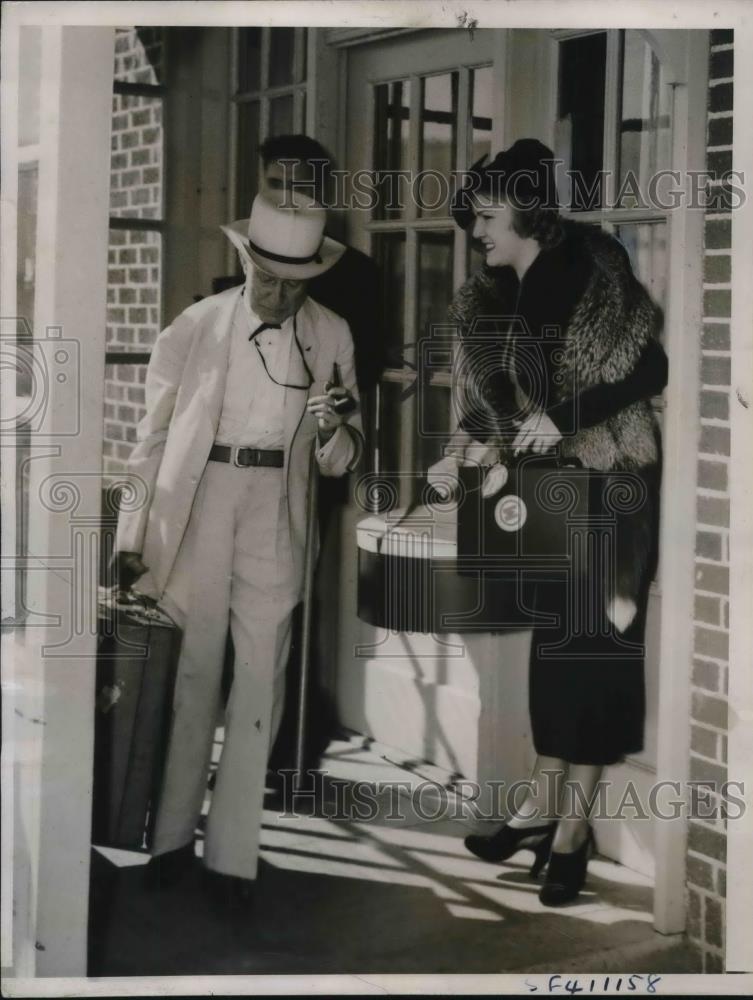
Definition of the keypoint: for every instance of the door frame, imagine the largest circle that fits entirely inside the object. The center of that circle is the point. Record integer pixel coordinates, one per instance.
(687, 65)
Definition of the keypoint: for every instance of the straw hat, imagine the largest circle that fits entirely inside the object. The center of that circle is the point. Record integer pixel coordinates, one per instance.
(286, 237)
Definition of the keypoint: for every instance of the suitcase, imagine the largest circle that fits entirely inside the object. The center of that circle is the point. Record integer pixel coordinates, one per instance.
(410, 579)
(137, 655)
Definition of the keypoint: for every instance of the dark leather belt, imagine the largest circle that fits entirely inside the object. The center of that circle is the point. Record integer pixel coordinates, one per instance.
(246, 457)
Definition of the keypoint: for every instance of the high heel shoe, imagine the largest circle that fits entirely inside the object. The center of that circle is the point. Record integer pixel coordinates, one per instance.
(566, 874)
(509, 840)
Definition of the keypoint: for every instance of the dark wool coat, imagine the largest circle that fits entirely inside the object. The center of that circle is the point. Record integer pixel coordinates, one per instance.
(585, 288)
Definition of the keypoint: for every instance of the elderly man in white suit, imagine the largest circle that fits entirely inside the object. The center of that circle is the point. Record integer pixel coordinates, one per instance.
(236, 399)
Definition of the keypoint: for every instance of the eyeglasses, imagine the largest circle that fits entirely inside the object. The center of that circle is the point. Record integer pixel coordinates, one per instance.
(288, 385)
(271, 280)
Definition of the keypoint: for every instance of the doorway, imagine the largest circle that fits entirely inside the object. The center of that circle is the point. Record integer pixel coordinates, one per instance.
(441, 98)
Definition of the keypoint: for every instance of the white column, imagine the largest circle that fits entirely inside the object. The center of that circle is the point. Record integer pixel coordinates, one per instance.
(54, 655)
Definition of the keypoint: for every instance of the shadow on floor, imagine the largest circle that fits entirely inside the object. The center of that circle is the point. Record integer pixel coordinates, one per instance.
(391, 893)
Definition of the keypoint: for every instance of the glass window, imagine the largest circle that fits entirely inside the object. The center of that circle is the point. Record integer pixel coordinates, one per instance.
(434, 424)
(281, 56)
(394, 437)
(270, 99)
(392, 129)
(646, 244)
(389, 252)
(580, 126)
(482, 113)
(644, 121)
(435, 259)
(438, 140)
(28, 177)
(248, 140)
(281, 115)
(249, 60)
(30, 59)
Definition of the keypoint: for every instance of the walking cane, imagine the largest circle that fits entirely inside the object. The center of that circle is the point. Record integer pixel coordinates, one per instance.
(309, 563)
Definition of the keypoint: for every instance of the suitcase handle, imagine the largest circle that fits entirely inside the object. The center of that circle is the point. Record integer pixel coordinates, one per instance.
(116, 597)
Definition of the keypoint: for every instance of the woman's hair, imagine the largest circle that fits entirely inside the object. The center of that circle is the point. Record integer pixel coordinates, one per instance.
(541, 224)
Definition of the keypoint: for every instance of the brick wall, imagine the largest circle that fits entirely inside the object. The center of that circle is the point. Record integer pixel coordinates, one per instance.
(135, 266)
(706, 871)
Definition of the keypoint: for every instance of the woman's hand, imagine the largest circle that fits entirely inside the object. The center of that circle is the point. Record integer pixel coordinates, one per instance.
(323, 408)
(537, 432)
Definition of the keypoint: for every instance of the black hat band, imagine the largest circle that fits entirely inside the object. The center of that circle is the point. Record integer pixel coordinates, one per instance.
(282, 259)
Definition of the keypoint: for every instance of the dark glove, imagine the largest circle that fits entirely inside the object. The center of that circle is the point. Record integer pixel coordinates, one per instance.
(125, 569)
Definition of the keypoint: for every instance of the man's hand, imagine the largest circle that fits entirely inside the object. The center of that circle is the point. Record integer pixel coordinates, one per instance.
(324, 409)
(125, 569)
(537, 432)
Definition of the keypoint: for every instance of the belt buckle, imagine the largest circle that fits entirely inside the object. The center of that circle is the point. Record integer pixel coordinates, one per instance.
(237, 449)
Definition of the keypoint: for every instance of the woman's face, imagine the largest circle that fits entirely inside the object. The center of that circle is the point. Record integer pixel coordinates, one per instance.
(493, 226)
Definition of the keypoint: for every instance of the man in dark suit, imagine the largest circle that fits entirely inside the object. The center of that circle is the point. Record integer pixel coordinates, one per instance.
(351, 289)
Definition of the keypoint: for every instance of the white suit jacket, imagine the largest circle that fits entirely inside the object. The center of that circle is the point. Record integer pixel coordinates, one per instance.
(185, 386)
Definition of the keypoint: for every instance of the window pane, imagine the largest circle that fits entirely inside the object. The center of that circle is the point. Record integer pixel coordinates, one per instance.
(134, 283)
(481, 103)
(124, 407)
(646, 244)
(281, 115)
(30, 62)
(580, 126)
(281, 56)
(248, 156)
(438, 141)
(645, 121)
(249, 59)
(394, 433)
(304, 54)
(28, 176)
(139, 55)
(23, 461)
(435, 257)
(391, 142)
(389, 252)
(434, 425)
(136, 158)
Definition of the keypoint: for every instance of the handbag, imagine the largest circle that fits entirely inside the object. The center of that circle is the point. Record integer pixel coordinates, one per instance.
(535, 524)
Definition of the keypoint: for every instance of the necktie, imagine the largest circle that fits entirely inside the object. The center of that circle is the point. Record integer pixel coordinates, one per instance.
(262, 327)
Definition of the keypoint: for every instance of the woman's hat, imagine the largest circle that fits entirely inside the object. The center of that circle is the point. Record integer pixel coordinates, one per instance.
(524, 175)
(286, 237)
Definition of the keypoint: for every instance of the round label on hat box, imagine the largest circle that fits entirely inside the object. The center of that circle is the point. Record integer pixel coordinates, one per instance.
(511, 513)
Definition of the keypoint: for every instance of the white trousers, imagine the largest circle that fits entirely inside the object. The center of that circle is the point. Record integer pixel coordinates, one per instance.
(234, 568)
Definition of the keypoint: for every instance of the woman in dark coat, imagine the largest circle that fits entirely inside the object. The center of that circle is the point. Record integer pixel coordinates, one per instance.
(569, 288)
